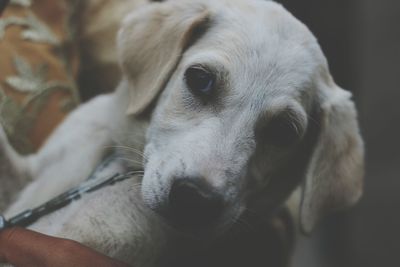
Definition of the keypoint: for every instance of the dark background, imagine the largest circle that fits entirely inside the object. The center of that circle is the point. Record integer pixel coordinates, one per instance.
(361, 39)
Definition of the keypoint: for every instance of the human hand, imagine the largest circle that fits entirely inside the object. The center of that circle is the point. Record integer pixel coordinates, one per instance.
(25, 248)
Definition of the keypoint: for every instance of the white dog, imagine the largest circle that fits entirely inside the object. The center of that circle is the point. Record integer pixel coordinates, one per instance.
(234, 108)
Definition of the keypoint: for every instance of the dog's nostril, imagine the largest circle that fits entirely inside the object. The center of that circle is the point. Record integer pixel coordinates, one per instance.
(193, 203)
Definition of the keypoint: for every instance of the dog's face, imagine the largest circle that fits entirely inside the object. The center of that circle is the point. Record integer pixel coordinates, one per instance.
(243, 104)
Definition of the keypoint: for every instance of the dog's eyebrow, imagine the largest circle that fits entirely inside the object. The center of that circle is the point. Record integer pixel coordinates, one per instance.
(293, 114)
(298, 120)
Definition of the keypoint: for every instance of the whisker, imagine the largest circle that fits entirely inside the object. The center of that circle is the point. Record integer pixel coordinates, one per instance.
(128, 136)
(132, 161)
(131, 149)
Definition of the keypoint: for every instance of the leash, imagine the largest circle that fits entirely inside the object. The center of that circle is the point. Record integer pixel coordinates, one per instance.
(92, 184)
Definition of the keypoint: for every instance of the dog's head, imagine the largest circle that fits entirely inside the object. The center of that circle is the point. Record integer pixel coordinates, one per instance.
(243, 111)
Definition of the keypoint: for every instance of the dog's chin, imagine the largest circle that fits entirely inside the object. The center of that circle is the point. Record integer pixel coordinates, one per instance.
(208, 231)
(203, 233)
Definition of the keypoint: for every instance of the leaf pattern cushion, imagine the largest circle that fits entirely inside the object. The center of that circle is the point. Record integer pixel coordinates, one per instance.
(38, 68)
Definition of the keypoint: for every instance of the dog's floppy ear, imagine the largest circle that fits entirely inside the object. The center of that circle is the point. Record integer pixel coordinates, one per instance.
(334, 176)
(151, 43)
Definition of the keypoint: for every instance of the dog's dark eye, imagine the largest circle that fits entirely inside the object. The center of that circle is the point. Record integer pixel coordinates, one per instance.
(199, 80)
(283, 132)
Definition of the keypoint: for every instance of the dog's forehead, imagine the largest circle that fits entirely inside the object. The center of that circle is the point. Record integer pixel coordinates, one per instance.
(267, 52)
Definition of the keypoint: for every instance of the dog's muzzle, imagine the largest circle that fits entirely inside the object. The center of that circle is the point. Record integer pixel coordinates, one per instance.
(193, 204)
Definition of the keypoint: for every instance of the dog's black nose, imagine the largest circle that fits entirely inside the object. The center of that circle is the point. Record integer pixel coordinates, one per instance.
(193, 203)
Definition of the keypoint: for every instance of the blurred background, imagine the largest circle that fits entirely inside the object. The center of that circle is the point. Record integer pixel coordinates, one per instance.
(361, 39)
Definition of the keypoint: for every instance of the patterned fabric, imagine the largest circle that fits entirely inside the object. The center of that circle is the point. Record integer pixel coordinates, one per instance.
(38, 69)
